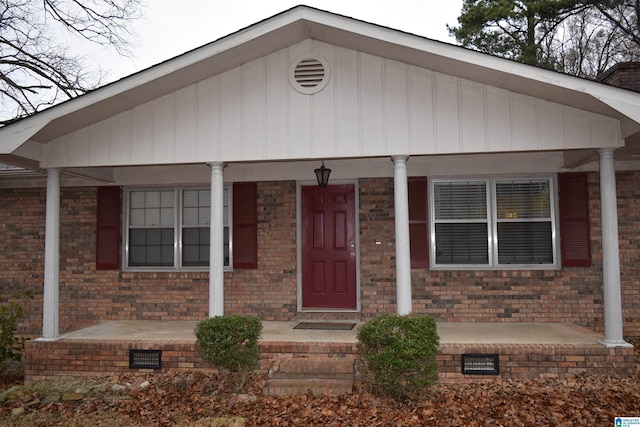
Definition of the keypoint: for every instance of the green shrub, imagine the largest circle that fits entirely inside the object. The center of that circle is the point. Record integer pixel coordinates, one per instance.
(231, 343)
(398, 355)
(11, 310)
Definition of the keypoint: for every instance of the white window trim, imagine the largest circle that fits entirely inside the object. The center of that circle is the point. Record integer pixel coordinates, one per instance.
(492, 222)
(177, 226)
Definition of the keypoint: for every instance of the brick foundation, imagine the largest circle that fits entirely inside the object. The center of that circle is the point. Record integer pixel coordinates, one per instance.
(538, 361)
(52, 359)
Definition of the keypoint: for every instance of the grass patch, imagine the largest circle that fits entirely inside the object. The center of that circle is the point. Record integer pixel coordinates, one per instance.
(40, 389)
(68, 419)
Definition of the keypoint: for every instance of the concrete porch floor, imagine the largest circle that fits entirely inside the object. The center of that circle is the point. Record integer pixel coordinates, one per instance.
(450, 332)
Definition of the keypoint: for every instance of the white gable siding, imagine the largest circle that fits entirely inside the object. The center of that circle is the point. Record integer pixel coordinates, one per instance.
(142, 140)
(498, 118)
(277, 143)
(120, 142)
(371, 107)
(207, 129)
(421, 99)
(186, 132)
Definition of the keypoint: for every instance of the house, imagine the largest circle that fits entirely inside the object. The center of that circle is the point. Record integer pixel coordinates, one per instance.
(464, 186)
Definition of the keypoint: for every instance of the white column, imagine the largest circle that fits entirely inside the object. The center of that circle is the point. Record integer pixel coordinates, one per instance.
(216, 242)
(610, 252)
(403, 252)
(51, 304)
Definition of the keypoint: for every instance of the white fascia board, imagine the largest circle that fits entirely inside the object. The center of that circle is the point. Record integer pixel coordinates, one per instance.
(13, 136)
(631, 110)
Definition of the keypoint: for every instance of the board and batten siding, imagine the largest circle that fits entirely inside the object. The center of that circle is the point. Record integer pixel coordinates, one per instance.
(371, 107)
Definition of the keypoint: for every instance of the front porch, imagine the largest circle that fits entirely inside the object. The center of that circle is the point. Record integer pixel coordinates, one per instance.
(525, 349)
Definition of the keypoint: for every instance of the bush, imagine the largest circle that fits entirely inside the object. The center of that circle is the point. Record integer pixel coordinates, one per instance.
(398, 355)
(11, 310)
(231, 343)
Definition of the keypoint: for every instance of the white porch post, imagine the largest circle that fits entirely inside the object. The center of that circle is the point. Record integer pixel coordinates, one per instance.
(51, 309)
(403, 252)
(216, 242)
(610, 252)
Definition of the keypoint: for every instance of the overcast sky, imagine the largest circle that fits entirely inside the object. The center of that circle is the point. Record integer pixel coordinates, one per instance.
(167, 30)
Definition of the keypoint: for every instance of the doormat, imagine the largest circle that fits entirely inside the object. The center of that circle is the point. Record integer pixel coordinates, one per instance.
(331, 326)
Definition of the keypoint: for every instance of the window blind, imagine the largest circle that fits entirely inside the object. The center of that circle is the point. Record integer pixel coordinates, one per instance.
(461, 229)
(524, 231)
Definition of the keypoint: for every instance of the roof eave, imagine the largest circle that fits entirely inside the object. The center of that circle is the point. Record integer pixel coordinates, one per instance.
(301, 23)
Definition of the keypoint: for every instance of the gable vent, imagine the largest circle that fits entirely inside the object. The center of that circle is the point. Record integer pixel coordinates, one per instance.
(309, 74)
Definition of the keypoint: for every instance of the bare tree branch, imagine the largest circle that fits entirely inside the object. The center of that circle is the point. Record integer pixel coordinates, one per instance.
(36, 69)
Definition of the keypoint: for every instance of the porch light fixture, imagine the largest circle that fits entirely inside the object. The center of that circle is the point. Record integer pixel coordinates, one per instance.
(322, 174)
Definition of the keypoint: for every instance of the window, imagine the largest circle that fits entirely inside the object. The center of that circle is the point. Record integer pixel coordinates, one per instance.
(169, 228)
(196, 213)
(151, 228)
(493, 223)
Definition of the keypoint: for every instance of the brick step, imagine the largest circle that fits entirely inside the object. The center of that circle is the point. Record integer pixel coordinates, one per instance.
(297, 387)
(313, 367)
(318, 374)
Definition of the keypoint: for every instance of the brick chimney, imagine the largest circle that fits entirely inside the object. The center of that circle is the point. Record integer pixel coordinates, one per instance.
(624, 74)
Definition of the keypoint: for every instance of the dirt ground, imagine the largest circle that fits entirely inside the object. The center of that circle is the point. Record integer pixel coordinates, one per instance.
(196, 399)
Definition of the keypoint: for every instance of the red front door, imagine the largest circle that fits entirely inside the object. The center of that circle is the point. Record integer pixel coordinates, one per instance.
(328, 247)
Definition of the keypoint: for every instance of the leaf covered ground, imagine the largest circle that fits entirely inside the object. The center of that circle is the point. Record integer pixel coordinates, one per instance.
(192, 399)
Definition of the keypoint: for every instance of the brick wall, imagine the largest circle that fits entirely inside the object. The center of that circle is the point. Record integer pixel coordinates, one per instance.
(628, 186)
(22, 214)
(571, 295)
(377, 247)
(270, 290)
(88, 296)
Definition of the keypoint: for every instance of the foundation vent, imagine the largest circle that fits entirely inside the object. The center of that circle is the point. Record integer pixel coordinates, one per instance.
(481, 364)
(145, 359)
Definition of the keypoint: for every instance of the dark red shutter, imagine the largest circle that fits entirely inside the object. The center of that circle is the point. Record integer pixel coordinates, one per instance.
(108, 228)
(418, 224)
(574, 219)
(245, 225)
